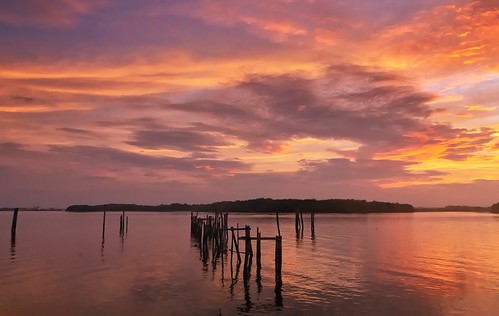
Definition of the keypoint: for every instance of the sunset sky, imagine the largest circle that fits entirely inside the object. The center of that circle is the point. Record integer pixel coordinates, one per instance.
(161, 101)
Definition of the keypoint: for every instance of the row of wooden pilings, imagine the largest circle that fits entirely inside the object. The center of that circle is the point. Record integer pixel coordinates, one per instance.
(213, 232)
(123, 228)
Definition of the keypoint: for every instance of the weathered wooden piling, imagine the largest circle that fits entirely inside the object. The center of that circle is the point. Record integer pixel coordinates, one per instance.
(247, 251)
(14, 223)
(301, 222)
(297, 221)
(121, 225)
(236, 244)
(103, 226)
(226, 225)
(231, 246)
(278, 263)
(205, 242)
(258, 255)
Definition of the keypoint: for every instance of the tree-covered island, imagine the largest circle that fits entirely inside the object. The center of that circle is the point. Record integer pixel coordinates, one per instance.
(261, 205)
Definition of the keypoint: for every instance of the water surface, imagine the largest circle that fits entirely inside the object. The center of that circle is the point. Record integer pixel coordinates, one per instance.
(375, 264)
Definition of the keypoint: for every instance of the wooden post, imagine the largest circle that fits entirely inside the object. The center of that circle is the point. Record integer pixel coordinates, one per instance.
(226, 225)
(231, 249)
(301, 220)
(14, 223)
(297, 221)
(258, 255)
(236, 244)
(247, 252)
(258, 247)
(121, 225)
(222, 260)
(103, 226)
(277, 220)
(205, 242)
(278, 270)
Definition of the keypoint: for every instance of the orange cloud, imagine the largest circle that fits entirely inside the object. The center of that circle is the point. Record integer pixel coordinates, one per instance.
(445, 37)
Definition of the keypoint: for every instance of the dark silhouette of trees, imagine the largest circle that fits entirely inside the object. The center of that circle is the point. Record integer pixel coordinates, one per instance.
(261, 205)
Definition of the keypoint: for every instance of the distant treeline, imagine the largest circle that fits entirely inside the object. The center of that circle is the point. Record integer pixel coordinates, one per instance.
(495, 208)
(33, 209)
(454, 208)
(262, 205)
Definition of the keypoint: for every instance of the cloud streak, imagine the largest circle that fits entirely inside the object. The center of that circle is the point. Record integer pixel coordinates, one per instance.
(57, 13)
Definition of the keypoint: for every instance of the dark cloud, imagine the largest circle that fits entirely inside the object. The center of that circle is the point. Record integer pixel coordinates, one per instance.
(180, 139)
(17, 152)
(9, 147)
(85, 84)
(341, 170)
(77, 131)
(374, 108)
(377, 109)
(138, 122)
(114, 158)
(16, 96)
(45, 13)
(21, 98)
(220, 110)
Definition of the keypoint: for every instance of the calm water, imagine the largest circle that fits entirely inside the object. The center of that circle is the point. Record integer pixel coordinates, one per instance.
(383, 264)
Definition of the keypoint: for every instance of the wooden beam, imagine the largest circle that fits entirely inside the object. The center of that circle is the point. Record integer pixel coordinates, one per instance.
(255, 238)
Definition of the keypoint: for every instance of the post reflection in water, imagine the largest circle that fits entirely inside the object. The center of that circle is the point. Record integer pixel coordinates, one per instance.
(13, 248)
(247, 296)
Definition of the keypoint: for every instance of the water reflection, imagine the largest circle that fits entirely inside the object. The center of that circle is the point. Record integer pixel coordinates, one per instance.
(404, 264)
(13, 248)
(234, 279)
(246, 307)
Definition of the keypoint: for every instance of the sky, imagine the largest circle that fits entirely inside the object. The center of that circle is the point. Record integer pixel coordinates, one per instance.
(196, 101)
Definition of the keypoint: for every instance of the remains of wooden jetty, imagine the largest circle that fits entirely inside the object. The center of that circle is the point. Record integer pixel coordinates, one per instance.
(212, 233)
